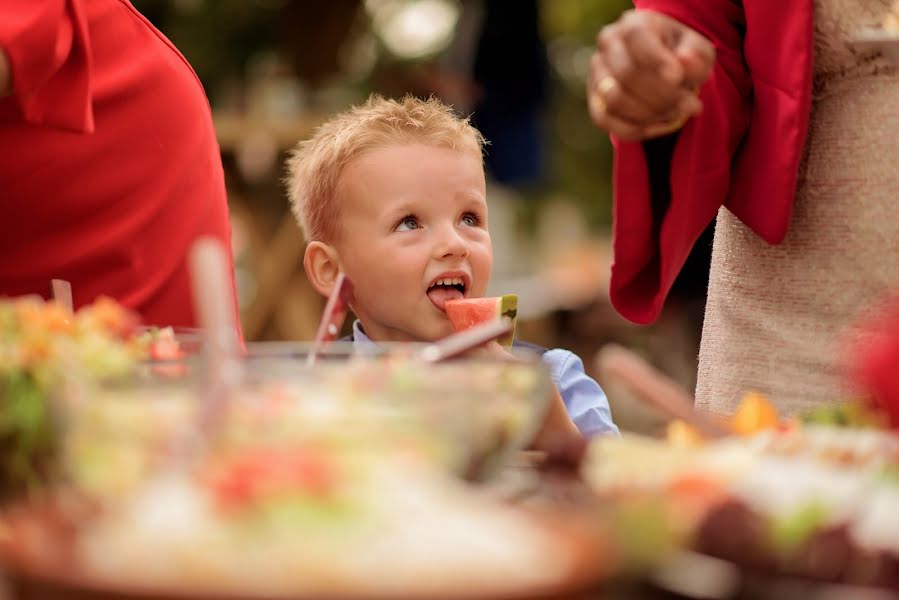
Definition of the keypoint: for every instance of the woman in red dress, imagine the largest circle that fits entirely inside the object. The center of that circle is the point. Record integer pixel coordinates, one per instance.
(109, 165)
(765, 110)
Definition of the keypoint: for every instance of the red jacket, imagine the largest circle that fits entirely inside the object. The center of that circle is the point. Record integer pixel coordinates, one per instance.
(109, 165)
(742, 152)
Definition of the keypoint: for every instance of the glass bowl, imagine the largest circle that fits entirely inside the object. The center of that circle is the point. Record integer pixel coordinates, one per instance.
(486, 408)
(341, 477)
(468, 415)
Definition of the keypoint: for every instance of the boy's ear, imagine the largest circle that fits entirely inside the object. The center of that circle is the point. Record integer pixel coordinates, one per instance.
(322, 266)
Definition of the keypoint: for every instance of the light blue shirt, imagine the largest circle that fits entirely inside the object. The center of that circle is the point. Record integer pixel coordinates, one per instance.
(585, 401)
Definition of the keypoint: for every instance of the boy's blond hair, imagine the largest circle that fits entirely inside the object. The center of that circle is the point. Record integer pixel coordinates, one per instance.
(315, 165)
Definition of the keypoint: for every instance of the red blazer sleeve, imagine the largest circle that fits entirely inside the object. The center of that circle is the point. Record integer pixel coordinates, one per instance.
(666, 194)
(48, 47)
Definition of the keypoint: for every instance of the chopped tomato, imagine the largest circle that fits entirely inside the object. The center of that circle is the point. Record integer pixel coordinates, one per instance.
(696, 493)
(165, 349)
(252, 477)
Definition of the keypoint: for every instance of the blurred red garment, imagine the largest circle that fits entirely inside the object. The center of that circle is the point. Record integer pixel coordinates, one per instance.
(742, 152)
(109, 164)
(874, 361)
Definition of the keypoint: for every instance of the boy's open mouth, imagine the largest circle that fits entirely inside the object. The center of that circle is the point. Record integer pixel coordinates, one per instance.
(447, 288)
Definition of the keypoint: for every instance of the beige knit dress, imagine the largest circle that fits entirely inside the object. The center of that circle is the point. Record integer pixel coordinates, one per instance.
(775, 314)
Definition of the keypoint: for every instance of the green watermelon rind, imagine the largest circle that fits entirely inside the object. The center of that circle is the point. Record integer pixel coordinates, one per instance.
(506, 306)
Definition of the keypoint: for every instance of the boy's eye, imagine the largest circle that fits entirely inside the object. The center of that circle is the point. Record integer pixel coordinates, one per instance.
(471, 219)
(408, 224)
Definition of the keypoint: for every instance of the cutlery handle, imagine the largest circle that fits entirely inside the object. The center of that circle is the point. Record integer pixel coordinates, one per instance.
(61, 292)
(464, 341)
(654, 388)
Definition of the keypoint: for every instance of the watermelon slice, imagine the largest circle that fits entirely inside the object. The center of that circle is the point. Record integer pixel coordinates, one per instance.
(468, 312)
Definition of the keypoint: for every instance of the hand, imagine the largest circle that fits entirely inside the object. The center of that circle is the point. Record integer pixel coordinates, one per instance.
(644, 75)
(559, 436)
(495, 350)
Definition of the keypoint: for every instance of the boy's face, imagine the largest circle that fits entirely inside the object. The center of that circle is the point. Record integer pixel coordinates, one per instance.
(413, 216)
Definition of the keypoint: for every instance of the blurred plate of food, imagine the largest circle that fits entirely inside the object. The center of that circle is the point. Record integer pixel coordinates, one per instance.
(803, 498)
(280, 507)
(334, 481)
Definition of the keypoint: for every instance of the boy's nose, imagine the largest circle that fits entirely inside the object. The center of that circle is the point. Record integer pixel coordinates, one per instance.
(451, 244)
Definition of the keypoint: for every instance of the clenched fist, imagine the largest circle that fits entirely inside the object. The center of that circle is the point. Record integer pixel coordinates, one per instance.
(644, 75)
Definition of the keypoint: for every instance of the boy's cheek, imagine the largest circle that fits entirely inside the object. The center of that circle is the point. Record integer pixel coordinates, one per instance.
(384, 290)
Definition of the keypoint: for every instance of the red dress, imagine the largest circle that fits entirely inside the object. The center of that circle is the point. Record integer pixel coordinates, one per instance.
(110, 167)
(742, 152)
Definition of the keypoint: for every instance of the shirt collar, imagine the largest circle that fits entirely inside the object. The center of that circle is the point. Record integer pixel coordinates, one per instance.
(359, 336)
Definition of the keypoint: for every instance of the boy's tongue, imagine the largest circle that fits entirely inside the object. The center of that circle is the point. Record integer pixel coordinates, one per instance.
(440, 294)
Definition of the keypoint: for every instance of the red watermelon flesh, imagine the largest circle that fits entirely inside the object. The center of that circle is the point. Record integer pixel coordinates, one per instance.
(468, 312)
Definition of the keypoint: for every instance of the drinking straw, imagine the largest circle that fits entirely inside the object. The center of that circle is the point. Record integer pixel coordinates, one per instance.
(465, 341)
(213, 298)
(332, 317)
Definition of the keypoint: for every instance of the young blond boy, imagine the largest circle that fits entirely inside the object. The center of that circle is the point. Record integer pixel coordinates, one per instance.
(393, 194)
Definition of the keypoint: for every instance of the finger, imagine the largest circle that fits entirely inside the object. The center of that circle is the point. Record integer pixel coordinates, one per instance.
(645, 84)
(562, 452)
(628, 130)
(660, 129)
(618, 100)
(697, 55)
(616, 126)
(650, 52)
(689, 104)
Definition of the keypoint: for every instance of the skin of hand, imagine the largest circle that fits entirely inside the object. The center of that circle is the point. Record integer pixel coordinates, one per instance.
(5, 75)
(559, 437)
(644, 75)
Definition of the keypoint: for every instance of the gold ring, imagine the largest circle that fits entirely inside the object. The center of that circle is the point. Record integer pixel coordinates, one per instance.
(597, 97)
(676, 123)
(606, 84)
(669, 127)
(597, 104)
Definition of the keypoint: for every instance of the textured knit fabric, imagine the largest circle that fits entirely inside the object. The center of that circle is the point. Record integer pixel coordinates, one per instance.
(776, 315)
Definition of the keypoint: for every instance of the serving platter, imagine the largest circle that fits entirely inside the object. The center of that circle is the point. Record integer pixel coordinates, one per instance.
(40, 560)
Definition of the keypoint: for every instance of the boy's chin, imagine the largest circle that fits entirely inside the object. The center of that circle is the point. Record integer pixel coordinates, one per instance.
(435, 332)
(423, 333)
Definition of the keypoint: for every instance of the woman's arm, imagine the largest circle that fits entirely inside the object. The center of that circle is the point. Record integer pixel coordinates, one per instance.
(667, 191)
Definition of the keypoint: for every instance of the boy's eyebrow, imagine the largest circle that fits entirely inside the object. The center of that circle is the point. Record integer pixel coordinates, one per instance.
(473, 195)
(413, 207)
(404, 209)
(478, 199)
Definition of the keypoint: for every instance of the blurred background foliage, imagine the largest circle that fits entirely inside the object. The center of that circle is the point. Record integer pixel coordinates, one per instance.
(330, 54)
